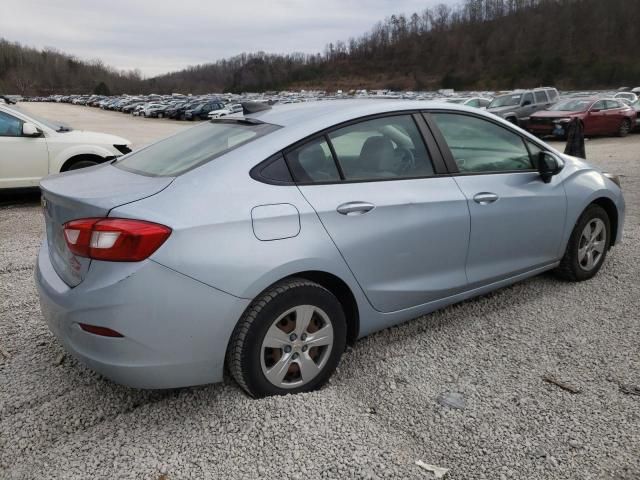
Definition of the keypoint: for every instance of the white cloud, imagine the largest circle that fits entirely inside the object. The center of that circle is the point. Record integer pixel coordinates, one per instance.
(157, 36)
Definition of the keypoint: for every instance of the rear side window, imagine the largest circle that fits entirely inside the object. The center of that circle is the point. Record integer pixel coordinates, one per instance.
(478, 145)
(541, 97)
(313, 162)
(552, 94)
(275, 170)
(383, 148)
(193, 147)
(613, 104)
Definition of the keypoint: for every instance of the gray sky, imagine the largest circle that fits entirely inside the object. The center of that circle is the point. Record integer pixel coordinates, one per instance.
(158, 36)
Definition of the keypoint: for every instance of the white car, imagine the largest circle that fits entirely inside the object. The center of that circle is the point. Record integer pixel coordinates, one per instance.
(630, 96)
(477, 102)
(33, 148)
(221, 112)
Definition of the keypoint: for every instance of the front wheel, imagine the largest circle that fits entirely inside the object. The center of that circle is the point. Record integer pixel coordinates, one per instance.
(625, 128)
(289, 340)
(587, 247)
(81, 164)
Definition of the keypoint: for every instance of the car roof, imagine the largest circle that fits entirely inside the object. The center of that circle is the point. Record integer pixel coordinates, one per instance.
(323, 114)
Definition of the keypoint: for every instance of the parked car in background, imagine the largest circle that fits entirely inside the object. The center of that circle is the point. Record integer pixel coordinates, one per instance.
(31, 148)
(518, 106)
(630, 96)
(201, 111)
(130, 107)
(265, 243)
(599, 116)
(477, 102)
(636, 108)
(152, 109)
(220, 112)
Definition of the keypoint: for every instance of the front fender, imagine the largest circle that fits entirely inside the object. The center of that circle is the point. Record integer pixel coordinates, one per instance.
(61, 157)
(585, 186)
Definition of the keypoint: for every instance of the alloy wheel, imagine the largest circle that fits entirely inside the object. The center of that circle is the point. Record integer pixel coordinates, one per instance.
(297, 346)
(593, 242)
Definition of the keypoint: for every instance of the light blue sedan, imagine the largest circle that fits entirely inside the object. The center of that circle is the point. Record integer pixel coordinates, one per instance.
(268, 241)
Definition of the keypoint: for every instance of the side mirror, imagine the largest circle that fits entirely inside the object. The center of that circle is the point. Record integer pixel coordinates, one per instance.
(548, 166)
(526, 103)
(30, 130)
(594, 110)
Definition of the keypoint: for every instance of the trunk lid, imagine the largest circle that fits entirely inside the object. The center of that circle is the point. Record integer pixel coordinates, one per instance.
(85, 193)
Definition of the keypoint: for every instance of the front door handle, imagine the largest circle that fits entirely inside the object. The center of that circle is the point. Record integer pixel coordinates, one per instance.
(485, 198)
(355, 208)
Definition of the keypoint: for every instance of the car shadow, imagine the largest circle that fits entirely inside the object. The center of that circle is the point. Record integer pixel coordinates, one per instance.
(20, 196)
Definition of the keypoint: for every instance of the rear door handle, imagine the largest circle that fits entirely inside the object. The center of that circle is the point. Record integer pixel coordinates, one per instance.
(485, 198)
(355, 208)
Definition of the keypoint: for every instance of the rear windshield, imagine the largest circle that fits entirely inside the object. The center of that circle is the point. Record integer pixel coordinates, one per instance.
(193, 147)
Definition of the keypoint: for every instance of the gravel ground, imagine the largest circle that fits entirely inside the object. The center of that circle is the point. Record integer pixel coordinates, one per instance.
(380, 413)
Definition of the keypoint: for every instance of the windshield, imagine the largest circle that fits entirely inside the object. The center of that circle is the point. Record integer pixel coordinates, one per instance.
(193, 147)
(571, 106)
(505, 101)
(52, 124)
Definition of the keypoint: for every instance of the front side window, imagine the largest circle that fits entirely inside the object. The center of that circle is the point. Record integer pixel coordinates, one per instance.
(10, 126)
(313, 162)
(193, 147)
(383, 148)
(479, 145)
(528, 99)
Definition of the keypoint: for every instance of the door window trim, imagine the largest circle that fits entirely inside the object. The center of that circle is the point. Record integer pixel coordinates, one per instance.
(437, 161)
(449, 160)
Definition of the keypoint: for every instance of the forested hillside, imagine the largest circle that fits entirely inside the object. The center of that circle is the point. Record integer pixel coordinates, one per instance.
(28, 71)
(488, 44)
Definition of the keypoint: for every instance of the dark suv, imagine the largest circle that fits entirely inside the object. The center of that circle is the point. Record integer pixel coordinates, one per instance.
(518, 106)
(201, 112)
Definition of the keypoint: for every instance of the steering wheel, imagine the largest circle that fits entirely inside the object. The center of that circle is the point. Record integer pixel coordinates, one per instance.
(407, 159)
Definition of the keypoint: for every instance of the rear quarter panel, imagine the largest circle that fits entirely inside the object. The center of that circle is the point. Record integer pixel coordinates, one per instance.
(213, 238)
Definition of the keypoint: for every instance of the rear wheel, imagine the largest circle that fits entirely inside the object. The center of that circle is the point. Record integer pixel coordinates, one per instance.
(625, 128)
(587, 247)
(289, 340)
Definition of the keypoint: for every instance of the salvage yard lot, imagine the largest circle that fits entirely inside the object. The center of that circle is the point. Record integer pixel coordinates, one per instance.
(379, 413)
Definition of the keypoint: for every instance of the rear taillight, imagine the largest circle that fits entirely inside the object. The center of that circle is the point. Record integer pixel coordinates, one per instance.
(114, 239)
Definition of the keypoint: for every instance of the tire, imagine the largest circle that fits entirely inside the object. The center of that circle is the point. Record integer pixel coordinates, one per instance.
(625, 128)
(279, 312)
(81, 164)
(578, 264)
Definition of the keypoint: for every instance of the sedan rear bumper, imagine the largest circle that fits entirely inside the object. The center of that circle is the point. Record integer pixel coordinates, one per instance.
(175, 329)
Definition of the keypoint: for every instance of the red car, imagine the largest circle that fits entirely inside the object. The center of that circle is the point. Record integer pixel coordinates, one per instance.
(599, 116)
